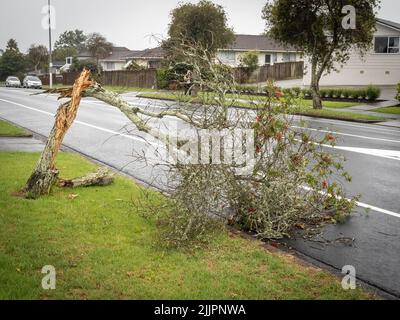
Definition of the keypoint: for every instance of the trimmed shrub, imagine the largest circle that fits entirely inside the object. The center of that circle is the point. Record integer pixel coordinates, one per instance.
(398, 92)
(373, 93)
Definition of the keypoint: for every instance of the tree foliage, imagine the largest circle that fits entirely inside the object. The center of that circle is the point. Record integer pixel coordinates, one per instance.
(38, 57)
(315, 28)
(98, 46)
(249, 61)
(204, 23)
(12, 62)
(61, 53)
(71, 39)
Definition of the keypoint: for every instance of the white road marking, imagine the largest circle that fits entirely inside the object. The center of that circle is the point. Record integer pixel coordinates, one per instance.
(81, 122)
(347, 134)
(343, 123)
(387, 154)
(360, 204)
(364, 205)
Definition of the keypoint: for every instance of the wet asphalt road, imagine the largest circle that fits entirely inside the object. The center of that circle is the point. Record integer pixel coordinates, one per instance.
(373, 159)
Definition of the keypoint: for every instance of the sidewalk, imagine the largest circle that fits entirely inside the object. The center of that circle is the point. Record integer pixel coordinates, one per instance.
(21, 144)
(368, 109)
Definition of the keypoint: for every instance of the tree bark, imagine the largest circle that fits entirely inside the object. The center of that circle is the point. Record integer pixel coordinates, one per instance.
(45, 174)
(100, 178)
(317, 102)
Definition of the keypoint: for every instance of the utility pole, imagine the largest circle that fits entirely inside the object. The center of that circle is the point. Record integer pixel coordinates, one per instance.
(50, 50)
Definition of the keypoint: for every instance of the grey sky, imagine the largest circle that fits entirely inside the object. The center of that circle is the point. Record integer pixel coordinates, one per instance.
(127, 23)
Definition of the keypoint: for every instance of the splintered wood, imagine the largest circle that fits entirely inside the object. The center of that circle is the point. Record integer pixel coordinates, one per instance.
(45, 174)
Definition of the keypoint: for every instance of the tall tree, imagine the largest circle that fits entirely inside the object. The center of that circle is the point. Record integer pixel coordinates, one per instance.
(98, 46)
(38, 57)
(71, 39)
(204, 23)
(12, 62)
(321, 29)
(60, 53)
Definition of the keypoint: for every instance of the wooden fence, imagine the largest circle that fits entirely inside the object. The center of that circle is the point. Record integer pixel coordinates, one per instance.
(142, 78)
(278, 71)
(147, 78)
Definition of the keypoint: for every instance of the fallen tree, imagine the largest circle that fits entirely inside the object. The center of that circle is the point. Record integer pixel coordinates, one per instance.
(289, 181)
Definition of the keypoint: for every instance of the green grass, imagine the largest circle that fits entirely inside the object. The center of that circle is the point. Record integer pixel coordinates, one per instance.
(121, 89)
(334, 114)
(389, 110)
(102, 249)
(9, 130)
(304, 109)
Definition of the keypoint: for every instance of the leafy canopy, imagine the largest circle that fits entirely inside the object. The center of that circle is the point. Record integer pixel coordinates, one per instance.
(12, 62)
(204, 23)
(71, 39)
(98, 46)
(315, 28)
(38, 56)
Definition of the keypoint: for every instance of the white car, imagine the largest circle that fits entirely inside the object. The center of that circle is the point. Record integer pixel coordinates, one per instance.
(32, 82)
(14, 82)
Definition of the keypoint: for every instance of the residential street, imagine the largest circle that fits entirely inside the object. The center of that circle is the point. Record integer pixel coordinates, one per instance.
(373, 159)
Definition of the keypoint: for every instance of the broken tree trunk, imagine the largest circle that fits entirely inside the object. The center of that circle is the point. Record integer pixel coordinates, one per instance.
(45, 174)
(100, 178)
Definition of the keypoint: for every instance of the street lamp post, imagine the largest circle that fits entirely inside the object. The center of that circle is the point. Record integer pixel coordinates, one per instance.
(50, 50)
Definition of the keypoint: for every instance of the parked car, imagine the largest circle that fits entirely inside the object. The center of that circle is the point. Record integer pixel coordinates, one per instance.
(13, 82)
(32, 82)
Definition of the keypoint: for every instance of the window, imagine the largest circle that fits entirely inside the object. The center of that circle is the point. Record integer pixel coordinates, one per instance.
(110, 66)
(267, 59)
(387, 45)
(227, 57)
(285, 57)
(292, 57)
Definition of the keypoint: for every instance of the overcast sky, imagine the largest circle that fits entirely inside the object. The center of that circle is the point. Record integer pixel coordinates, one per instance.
(129, 23)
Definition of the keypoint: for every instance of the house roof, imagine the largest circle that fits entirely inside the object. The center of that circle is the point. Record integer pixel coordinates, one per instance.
(389, 23)
(58, 63)
(116, 54)
(153, 53)
(245, 42)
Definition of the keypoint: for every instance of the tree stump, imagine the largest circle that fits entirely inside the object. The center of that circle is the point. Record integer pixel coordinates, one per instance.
(45, 175)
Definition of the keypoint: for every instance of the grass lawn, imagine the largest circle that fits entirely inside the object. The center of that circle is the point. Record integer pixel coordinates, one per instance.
(304, 109)
(9, 130)
(102, 249)
(390, 110)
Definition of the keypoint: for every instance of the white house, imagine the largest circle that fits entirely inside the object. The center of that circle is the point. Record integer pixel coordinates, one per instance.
(148, 58)
(115, 61)
(269, 51)
(380, 66)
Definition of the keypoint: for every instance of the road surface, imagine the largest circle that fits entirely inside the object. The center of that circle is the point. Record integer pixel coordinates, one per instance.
(373, 159)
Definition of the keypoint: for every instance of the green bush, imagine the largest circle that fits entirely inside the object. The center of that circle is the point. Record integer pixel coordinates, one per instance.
(346, 93)
(373, 93)
(360, 94)
(324, 93)
(79, 65)
(338, 93)
(176, 73)
(398, 92)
